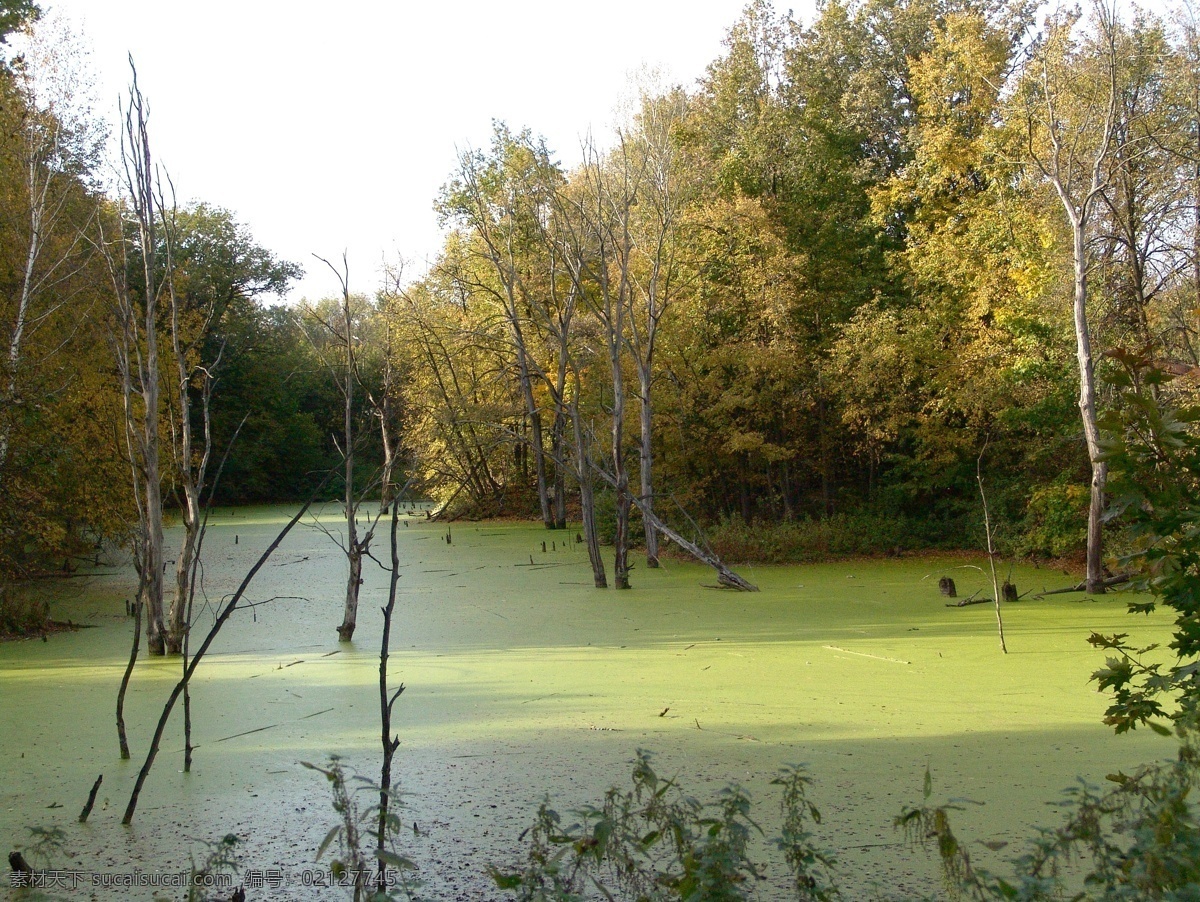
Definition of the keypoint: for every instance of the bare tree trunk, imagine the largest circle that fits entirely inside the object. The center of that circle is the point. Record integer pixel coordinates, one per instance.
(353, 550)
(557, 454)
(387, 490)
(620, 473)
(133, 653)
(991, 548)
(1087, 411)
(535, 430)
(176, 624)
(1062, 164)
(192, 472)
(139, 179)
(386, 702)
(646, 460)
(587, 502)
(724, 575)
(192, 478)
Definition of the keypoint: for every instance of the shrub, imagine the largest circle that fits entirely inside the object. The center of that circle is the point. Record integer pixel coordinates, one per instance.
(654, 842)
(1055, 521)
(840, 536)
(22, 615)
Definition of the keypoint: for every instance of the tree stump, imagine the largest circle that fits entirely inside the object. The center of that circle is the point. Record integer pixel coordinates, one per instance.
(946, 587)
(21, 871)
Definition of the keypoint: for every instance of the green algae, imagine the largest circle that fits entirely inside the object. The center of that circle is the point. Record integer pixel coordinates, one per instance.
(522, 680)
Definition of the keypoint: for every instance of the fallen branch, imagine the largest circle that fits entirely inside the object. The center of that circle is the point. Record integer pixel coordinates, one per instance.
(226, 613)
(968, 601)
(1082, 587)
(725, 576)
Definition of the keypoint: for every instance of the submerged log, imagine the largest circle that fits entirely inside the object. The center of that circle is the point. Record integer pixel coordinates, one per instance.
(91, 800)
(1082, 587)
(969, 601)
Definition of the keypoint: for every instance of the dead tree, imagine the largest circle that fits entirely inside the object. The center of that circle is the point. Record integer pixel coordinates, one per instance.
(655, 224)
(725, 576)
(594, 222)
(387, 701)
(191, 464)
(1071, 108)
(134, 339)
(991, 548)
(340, 326)
(226, 612)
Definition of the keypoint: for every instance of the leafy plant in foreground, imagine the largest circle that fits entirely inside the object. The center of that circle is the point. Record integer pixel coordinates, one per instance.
(1138, 840)
(1153, 453)
(358, 864)
(654, 842)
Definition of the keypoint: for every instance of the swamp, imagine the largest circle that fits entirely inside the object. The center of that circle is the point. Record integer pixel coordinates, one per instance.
(886, 295)
(521, 681)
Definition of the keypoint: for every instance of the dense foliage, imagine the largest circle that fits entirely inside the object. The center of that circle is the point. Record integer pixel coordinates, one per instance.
(805, 291)
(839, 268)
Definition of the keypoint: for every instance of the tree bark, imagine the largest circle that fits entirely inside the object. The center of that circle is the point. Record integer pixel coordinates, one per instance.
(353, 551)
(133, 653)
(1087, 411)
(620, 473)
(991, 550)
(587, 502)
(1063, 163)
(140, 183)
(386, 703)
(646, 463)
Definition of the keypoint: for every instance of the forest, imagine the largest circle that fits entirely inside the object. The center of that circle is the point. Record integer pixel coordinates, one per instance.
(792, 303)
(910, 277)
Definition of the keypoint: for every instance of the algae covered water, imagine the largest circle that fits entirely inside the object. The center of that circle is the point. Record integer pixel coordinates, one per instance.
(522, 681)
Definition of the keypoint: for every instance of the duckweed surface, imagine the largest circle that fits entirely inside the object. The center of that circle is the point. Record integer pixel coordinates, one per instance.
(522, 680)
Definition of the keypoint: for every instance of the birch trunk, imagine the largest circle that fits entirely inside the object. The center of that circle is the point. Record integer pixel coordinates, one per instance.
(587, 500)
(353, 550)
(646, 462)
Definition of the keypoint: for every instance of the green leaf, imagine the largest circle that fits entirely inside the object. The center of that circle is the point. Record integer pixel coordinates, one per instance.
(399, 862)
(329, 837)
(503, 880)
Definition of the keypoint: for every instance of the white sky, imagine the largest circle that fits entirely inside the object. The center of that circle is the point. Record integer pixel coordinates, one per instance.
(331, 126)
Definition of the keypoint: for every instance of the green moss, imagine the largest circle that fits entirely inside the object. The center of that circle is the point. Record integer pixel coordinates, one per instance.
(523, 680)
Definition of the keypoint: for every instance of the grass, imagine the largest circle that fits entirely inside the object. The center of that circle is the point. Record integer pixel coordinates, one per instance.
(523, 680)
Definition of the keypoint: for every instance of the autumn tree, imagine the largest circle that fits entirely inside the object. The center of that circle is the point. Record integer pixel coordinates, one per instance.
(212, 264)
(1071, 98)
(56, 452)
(497, 198)
(661, 198)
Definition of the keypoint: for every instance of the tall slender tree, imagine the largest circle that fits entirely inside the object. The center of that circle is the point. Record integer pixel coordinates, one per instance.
(1071, 96)
(338, 325)
(131, 256)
